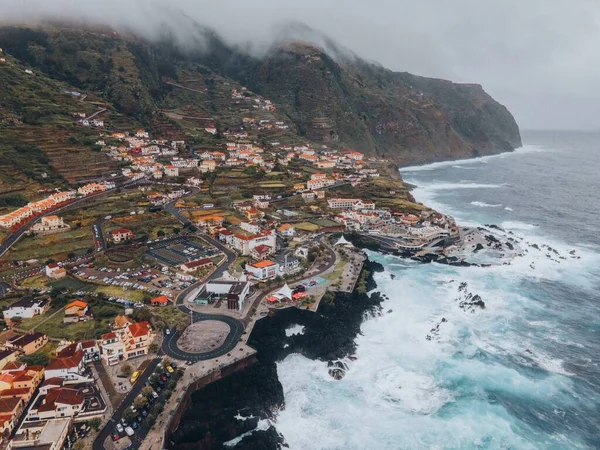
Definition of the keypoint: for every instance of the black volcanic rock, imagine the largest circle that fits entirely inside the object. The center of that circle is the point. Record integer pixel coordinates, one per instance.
(329, 335)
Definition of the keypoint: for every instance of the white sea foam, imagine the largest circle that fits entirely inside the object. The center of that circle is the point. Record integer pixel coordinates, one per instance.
(263, 425)
(464, 168)
(404, 391)
(480, 160)
(453, 186)
(506, 208)
(294, 329)
(516, 225)
(485, 205)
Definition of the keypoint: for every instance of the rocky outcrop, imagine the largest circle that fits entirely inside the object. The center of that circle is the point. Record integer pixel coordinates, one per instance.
(233, 406)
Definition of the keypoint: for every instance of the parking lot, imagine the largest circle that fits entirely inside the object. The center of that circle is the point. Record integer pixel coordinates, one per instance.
(152, 279)
(177, 251)
(139, 416)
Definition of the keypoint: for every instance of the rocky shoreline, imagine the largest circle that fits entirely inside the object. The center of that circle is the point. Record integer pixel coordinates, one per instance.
(245, 402)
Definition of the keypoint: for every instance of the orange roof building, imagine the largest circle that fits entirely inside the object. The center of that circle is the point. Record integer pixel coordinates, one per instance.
(161, 300)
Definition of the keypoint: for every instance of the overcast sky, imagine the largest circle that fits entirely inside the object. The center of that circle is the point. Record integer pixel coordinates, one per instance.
(541, 58)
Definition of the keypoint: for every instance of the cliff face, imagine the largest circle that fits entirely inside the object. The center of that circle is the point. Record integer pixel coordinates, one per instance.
(404, 117)
(333, 98)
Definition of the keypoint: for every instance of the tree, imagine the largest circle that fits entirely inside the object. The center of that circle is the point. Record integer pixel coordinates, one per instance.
(151, 419)
(16, 320)
(129, 415)
(157, 409)
(126, 370)
(95, 423)
(147, 392)
(172, 384)
(35, 359)
(153, 348)
(160, 233)
(166, 361)
(142, 315)
(140, 402)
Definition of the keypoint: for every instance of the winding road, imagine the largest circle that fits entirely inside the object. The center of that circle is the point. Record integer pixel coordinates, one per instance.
(236, 327)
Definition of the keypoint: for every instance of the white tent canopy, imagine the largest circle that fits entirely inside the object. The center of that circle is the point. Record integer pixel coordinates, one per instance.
(342, 241)
(284, 292)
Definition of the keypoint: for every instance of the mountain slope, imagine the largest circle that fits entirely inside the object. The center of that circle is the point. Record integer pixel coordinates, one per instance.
(337, 100)
(404, 117)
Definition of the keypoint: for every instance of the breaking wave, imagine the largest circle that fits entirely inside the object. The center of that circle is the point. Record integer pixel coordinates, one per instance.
(485, 205)
(521, 373)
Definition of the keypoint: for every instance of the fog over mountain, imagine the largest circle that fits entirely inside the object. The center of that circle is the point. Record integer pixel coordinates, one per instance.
(538, 57)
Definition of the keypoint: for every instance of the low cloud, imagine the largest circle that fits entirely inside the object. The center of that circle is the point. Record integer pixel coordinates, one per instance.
(538, 57)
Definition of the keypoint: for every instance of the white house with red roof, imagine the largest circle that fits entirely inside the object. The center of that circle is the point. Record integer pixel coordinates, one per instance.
(121, 235)
(58, 402)
(246, 243)
(125, 342)
(171, 171)
(55, 272)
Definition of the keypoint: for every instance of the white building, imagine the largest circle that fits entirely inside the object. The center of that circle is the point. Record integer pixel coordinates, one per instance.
(263, 270)
(250, 227)
(50, 224)
(171, 171)
(27, 307)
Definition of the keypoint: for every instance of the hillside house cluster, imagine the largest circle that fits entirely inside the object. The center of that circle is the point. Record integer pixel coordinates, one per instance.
(32, 209)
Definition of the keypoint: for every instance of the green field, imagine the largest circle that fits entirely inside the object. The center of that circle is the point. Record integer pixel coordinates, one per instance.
(307, 226)
(324, 223)
(42, 247)
(72, 284)
(104, 314)
(170, 315)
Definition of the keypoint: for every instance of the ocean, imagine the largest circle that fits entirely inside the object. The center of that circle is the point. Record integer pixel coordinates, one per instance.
(524, 372)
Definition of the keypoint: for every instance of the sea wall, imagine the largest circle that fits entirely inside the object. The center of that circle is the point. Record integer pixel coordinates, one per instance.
(186, 400)
(228, 407)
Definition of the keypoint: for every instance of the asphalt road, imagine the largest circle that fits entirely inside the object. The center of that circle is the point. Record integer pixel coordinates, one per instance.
(99, 240)
(236, 327)
(170, 208)
(127, 401)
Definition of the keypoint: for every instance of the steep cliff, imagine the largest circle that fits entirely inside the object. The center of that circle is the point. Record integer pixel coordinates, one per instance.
(330, 97)
(347, 101)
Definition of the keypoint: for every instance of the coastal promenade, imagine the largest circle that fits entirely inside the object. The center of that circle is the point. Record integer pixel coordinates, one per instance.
(233, 353)
(206, 370)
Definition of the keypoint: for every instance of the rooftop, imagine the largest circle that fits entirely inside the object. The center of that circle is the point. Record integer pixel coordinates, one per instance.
(262, 264)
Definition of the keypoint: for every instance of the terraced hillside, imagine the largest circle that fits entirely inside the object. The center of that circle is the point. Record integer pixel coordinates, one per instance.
(336, 100)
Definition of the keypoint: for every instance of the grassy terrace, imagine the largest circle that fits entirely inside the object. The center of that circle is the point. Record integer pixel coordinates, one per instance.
(145, 224)
(170, 315)
(52, 325)
(55, 245)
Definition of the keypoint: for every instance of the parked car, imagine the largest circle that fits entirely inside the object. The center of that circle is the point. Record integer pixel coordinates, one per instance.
(170, 369)
(134, 377)
(154, 395)
(115, 436)
(119, 428)
(129, 431)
